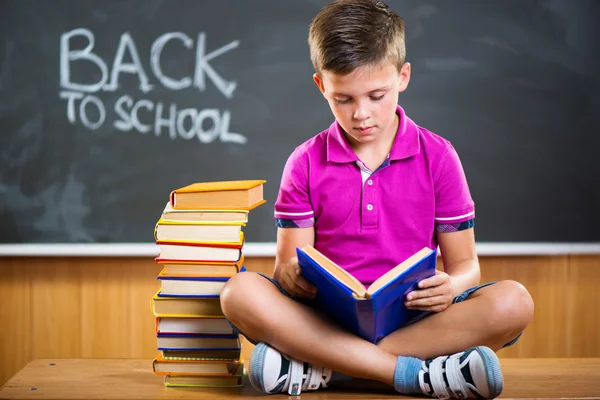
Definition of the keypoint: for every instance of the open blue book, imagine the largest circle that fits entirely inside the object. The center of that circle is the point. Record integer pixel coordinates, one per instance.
(371, 313)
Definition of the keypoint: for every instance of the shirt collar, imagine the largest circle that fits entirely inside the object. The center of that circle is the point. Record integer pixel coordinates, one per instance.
(406, 143)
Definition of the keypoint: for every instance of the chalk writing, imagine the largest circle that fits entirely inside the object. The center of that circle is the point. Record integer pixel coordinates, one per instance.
(144, 115)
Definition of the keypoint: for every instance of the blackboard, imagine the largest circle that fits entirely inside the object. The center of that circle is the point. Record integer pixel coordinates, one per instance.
(105, 106)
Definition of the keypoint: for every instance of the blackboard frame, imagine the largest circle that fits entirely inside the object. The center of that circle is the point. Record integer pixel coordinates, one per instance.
(513, 85)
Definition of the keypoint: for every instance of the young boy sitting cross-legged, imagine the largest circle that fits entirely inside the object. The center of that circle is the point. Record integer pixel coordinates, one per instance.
(368, 192)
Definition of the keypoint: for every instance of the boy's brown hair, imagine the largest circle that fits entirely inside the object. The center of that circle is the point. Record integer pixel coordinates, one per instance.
(348, 34)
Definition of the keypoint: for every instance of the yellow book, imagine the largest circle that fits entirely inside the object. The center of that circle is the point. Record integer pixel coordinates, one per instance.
(244, 195)
(209, 354)
(201, 269)
(187, 367)
(233, 380)
(204, 215)
(186, 306)
(190, 286)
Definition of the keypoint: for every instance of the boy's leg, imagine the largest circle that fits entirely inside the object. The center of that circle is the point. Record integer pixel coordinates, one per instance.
(492, 316)
(264, 314)
(259, 309)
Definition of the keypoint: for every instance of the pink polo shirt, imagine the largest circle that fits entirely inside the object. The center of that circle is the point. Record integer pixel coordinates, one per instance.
(368, 222)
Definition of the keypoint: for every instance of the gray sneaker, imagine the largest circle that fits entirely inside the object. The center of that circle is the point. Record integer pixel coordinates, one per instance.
(472, 374)
(273, 372)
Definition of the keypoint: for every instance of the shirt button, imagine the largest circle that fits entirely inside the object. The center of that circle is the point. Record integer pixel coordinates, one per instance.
(370, 182)
(370, 207)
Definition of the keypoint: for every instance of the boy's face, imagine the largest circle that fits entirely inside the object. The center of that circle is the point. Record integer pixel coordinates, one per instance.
(364, 101)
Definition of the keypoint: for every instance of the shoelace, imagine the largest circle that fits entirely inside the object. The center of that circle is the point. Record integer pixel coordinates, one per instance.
(449, 366)
(314, 377)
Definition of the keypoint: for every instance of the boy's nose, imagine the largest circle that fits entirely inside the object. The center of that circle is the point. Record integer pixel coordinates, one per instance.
(361, 112)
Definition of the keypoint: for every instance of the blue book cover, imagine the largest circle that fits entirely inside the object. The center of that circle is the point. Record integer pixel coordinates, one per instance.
(374, 313)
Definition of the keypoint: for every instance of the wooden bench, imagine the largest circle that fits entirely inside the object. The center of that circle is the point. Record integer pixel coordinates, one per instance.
(542, 378)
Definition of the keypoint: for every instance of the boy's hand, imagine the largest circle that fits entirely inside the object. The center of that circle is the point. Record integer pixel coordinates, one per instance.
(291, 280)
(434, 294)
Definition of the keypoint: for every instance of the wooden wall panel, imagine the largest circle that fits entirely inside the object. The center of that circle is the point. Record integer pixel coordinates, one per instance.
(116, 314)
(100, 307)
(544, 277)
(564, 290)
(15, 316)
(142, 285)
(582, 322)
(56, 308)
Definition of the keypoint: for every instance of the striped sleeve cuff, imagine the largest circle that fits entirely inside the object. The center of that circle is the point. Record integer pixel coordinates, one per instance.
(294, 214)
(459, 226)
(453, 218)
(295, 223)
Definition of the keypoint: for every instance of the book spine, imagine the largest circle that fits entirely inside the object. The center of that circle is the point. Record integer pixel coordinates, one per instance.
(192, 278)
(367, 322)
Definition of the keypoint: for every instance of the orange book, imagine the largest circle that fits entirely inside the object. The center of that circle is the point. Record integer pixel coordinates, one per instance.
(160, 366)
(241, 195)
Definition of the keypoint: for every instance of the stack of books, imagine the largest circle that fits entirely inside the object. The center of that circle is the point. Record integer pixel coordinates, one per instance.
(201, 242)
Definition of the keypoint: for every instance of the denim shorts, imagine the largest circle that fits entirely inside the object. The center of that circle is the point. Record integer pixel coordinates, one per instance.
(461, 297)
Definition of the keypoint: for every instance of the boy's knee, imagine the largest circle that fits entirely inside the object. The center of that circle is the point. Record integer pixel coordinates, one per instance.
(237, 291)
(514, 304)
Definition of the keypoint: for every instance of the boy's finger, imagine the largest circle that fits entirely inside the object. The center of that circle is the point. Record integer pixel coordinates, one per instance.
(291, 289)
(435, 280)
(426, 302)
(431, 291)
(301, 293)
(304, 285)
(421, 293)
(435, 309)
(288, 283)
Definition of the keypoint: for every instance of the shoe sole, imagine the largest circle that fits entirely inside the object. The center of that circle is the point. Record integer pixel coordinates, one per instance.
(257, 361)
(492, 370)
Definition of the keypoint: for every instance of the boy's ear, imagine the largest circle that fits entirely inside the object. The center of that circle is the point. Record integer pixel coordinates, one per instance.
(404, 77)
(319, 82)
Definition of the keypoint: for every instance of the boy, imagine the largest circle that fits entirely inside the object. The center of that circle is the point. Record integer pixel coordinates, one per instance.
(368, 192)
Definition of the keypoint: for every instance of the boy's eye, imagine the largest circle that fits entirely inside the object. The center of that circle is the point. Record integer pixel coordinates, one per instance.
(342, 101)
(377, 98)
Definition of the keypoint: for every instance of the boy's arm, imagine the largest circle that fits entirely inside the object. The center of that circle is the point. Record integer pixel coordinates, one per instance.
(461, 273)
(287, 271)
(460, 259)
(454, 221)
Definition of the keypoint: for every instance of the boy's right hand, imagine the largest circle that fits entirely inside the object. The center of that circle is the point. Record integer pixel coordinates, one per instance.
(291, 280)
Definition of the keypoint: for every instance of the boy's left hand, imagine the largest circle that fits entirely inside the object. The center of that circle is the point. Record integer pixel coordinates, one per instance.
(434, 294)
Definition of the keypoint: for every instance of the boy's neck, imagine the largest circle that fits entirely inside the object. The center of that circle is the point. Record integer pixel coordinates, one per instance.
(374, 154)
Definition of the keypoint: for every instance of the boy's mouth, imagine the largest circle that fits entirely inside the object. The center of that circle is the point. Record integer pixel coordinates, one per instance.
(365, 130)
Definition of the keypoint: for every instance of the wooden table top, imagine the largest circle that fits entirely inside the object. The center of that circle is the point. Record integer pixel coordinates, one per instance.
(542, 378)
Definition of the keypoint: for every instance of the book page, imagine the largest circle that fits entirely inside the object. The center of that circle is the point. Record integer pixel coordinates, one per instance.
(338, 272)
(397, 270)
